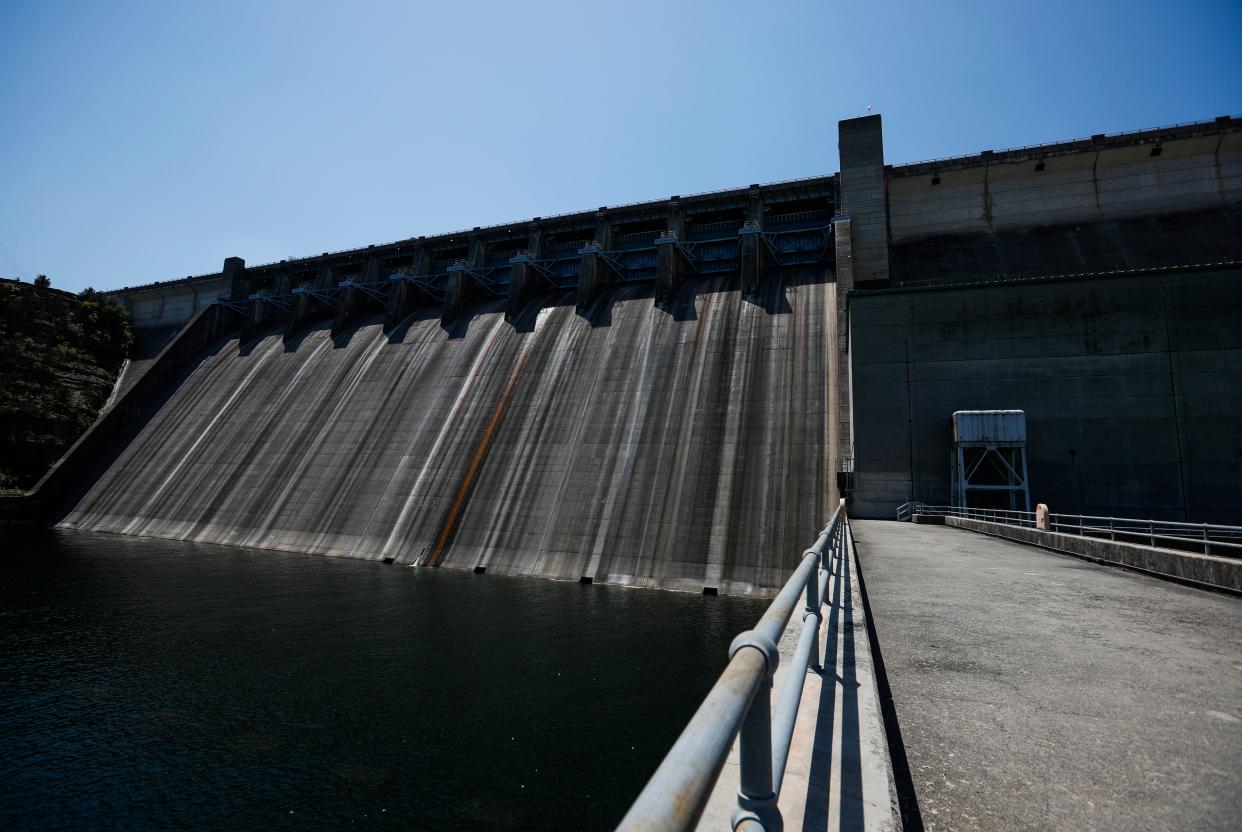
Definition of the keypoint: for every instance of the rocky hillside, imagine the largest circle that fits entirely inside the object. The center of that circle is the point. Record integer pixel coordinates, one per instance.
(59, 358)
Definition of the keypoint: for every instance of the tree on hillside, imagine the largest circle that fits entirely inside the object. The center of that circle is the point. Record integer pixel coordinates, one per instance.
(42, 282)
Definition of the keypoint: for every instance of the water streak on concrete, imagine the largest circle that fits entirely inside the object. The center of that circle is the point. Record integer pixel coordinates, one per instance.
(680, 447)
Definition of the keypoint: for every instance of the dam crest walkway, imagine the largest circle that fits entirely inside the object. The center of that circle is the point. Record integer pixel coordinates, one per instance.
(1013, 688)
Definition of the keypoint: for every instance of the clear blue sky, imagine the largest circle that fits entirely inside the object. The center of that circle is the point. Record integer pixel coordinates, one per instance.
(149, 140)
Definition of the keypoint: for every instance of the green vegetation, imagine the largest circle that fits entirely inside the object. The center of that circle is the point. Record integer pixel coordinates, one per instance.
(59, 358)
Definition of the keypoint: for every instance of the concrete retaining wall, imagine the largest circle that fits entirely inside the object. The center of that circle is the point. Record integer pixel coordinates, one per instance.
(172, 303)
(1132, 387)
(1155, 199)
(1109, 182)
(1222, 573)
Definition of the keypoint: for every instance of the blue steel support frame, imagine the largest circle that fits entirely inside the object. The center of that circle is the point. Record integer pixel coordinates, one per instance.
(613, 258)
(694, 253)
(281, 302)
(541, 267)
(377, 291)
(235, 305)
(692, 249)
(432, 284)
(482, 275)
(325, 296)
(779, 257)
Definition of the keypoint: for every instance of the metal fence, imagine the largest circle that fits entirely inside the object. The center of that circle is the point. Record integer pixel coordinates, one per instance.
(740, 700)
(1209, 538)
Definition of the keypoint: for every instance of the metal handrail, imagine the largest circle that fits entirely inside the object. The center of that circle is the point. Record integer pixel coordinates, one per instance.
(1021, 518)
(1211, 536)
(740, 701)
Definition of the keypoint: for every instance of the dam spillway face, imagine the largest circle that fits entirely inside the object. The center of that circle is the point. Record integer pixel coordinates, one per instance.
(684, 447)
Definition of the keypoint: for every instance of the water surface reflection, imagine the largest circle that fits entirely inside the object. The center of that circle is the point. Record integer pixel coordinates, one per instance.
(157, 684)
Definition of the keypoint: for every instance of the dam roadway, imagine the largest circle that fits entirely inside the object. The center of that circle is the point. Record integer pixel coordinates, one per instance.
(1037, 691)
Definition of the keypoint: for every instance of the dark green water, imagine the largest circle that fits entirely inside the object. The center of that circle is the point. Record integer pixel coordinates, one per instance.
(155, 684)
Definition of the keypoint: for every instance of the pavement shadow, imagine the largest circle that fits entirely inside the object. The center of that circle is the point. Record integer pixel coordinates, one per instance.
(821, 798)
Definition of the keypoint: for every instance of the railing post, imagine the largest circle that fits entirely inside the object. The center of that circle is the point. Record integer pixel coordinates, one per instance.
(1151, 531)
(1207, 541)
(845, 539)
(756, 802)
(756, 799)
(812, 606)
(1112, 532)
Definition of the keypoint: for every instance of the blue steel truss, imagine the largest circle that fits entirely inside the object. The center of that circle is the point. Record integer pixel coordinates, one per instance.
(432, 284)
(325, 296)
(281, 302)
(798, 246)
(552, 271)
(630, 264)
(235, 305)
(376, 291)
(633, 261)
(488, 277)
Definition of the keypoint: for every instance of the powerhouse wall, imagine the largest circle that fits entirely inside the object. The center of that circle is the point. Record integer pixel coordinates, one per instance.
(1132, 386)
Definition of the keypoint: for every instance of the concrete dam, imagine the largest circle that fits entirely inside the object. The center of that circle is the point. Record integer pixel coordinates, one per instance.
(683, 447)
(674, 393)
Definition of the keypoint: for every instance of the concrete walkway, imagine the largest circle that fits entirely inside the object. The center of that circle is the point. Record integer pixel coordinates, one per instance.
(1037, 691)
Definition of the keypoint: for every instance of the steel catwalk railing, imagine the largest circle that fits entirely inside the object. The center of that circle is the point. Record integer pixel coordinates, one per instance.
(1213, 538)
(740, 701)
